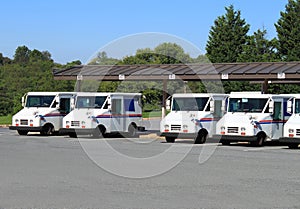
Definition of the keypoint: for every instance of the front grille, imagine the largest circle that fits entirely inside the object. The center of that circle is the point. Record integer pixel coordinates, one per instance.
(24, 122)
(298, 132)
(75, 123)
(233, 130)
(175, 127)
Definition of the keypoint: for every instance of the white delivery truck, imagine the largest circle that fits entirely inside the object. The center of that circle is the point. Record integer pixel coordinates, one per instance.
(253, 117)
(43, 112)
(192, 116)
(291, 130)
(103, 113)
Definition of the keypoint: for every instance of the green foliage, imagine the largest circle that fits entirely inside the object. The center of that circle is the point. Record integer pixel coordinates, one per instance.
(22, 55)
(103, 59)
(4, 60)
(4, 120)
(30, 71)
(165, 53)
(227, 37)
(259, 49)
(288, 31)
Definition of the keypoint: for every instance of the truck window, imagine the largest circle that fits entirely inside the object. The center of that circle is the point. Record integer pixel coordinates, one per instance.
(277, 111)
(116, 106)
(65, 106)
(297, 106)
(189, 104)
(217, 108)
(247, 104)
(39, 101)
(90, 102)
(129, 105)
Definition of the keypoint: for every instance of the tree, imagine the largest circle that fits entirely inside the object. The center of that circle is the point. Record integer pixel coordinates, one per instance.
(227, 37)
(103, 59)
(259, 49)
(165, 53)
(36, 55)
(4, 60)
(22, 55)
(288, 31)
(171, 53)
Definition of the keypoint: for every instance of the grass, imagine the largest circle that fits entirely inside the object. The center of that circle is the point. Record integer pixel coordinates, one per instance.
(5, 120)
(151, 114)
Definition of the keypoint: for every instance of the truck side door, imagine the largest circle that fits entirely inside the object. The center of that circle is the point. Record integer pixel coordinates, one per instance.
(117, 111)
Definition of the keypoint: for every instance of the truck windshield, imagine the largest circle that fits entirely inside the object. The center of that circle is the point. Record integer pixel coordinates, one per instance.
(39, 101)
(90, 102)
(247, 104)
(189, 104)
(297, 106)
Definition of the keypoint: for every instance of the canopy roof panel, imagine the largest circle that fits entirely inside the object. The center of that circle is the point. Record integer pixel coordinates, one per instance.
(230, 71)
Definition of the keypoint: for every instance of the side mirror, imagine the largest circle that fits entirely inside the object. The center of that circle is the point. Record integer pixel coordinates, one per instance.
(271, 107)
(72, 101)
(289, 106)
(23, 101)
(168, 104)
(57, 103)
(223, 107)
(109, 104)
(212, 106)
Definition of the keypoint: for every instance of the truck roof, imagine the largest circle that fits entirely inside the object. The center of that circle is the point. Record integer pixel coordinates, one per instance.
(106, 94)
(257, 95)
(48, 93)
(197, 94)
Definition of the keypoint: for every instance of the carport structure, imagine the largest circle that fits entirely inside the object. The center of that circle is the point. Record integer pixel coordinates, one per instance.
(258, 72)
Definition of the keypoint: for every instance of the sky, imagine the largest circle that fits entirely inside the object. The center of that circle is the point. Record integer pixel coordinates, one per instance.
(76, 30)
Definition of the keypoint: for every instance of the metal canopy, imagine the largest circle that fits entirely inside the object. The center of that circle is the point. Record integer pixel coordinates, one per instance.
(280, 71)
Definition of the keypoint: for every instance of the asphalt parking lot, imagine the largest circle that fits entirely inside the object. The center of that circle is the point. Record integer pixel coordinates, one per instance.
(61, 172)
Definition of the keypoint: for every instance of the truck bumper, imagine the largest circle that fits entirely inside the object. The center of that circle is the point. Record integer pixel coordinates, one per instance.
(79, 131)
(26, 128)
(289, 140)
(230, 138)
(179, 135)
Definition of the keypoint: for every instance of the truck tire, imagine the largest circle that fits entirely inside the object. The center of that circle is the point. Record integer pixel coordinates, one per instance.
(293, 146)
(72, 135)
(22, 133)
(226, 143)
(98, 132)
(260, 140)
(132, 131)
(201, 137)
(170, 139)
(47, 130)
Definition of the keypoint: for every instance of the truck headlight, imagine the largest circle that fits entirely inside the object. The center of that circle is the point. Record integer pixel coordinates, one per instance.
(222, 128)
(16, 121)
(243, 129)
(185, 127)
(291, 130)
(67, 122)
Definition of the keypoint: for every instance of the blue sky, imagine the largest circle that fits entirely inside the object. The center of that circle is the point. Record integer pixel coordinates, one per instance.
(75, 30)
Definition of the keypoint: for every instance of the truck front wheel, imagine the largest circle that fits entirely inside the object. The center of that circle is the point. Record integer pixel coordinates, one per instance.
(293, 146)
(201, 137)
(132, 131)
(260, 140)
(47, 130)
(99, 132)
(170, 139)
(21, 132)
